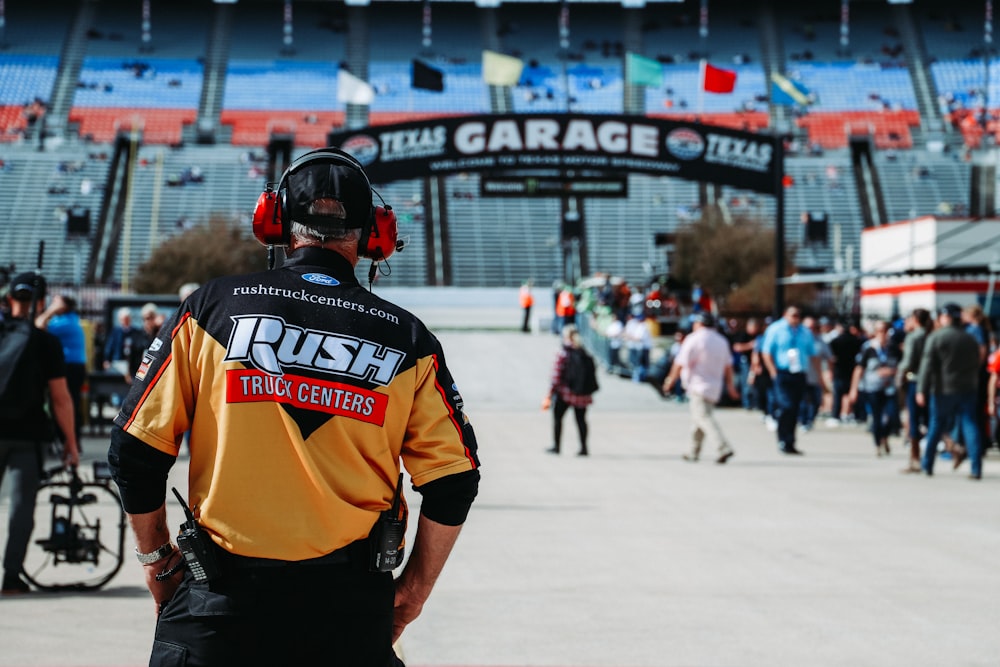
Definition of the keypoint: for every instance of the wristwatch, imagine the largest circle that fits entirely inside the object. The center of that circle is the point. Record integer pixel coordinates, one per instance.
(155, 556)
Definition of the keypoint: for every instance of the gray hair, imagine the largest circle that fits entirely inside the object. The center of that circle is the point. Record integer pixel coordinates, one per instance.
(307, 234)
(313, 231)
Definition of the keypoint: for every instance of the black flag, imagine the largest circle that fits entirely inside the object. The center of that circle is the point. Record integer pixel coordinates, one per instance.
(427, 77)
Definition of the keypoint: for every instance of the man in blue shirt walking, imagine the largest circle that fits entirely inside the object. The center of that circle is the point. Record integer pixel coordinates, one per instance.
(788, 349)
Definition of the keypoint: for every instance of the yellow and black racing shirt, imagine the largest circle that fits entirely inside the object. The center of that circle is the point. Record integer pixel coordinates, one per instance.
(302, 392)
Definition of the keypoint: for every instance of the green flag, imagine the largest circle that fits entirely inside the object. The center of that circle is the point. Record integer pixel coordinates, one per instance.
(642, 71)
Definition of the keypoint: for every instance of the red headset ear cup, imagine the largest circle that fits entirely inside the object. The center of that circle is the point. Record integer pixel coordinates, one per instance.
(382, 236)
(267, 224)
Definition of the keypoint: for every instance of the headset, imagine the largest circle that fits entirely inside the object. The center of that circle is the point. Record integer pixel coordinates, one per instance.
(272, 221)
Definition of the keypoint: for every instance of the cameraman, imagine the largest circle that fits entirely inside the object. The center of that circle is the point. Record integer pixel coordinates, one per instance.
(303, 391)
(31, 365)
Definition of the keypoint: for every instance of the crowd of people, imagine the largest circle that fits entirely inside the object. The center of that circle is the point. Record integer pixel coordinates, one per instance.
(927, 379)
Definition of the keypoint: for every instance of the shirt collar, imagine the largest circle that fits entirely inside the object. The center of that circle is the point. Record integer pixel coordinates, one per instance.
(310, 257)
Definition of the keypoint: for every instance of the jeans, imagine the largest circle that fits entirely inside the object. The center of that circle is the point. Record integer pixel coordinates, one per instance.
(880, 409)
(788, 391)
(811, 399)
(614, 357)
(748, 392)
(22, 457)
(916, 415)
(961, 408)
(638, 359)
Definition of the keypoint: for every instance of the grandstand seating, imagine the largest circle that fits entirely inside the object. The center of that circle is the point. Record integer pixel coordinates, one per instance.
(488, 237)
(273, 87)
(890, 129)
(923, 184)
(39, 187)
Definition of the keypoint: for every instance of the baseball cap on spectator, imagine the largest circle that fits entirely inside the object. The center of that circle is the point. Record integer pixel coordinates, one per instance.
(24, 285)
(703, 317)
(952, 310)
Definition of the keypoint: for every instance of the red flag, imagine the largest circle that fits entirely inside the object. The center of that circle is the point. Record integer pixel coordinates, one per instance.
(717, 80)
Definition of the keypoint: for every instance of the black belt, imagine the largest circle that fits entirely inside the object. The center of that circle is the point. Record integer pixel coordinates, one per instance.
(342, 556)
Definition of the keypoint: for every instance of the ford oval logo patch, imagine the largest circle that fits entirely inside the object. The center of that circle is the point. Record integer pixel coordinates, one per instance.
(320, 279)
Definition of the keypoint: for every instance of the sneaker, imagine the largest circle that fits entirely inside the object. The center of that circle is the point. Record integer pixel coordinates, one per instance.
(770, 423)
(690, 458)
(725, 457)
(791, 450)
(832, 422)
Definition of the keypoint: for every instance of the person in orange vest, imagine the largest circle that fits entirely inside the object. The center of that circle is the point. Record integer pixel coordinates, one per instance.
(527, 301)
(565, 307)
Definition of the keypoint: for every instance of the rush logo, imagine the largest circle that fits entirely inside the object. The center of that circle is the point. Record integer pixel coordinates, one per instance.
(335, 398)
(272, 345)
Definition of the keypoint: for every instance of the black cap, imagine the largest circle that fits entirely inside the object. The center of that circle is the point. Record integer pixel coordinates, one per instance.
(24, 285)
(328, 180)
(952, 310)
(703, 317)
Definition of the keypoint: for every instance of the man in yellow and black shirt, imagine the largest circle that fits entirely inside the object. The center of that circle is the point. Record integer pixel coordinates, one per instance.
(303, 393)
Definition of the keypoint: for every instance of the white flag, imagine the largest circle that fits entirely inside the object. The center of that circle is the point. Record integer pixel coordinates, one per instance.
(352, 90)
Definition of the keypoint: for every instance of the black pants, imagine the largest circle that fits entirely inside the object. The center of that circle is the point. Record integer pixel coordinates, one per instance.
(558, 411)
(330, 614)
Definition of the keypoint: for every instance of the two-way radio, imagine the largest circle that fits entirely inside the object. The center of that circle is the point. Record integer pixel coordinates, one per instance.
(196, 546)
(386, 538)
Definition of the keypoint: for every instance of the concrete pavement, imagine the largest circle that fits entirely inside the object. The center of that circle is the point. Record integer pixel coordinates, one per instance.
(634, 558)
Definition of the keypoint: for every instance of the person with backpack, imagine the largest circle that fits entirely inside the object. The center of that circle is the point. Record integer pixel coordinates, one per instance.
(31, 366)
(574, 381)
(704, 364)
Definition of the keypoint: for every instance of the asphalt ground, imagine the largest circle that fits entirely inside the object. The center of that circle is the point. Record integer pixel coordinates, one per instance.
(632, 557)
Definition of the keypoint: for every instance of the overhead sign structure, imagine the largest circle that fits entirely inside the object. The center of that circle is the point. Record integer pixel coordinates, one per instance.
(493, 185)
(609, 143)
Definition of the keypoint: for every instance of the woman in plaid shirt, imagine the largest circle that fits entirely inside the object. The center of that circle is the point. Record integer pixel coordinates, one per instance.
(573, 383)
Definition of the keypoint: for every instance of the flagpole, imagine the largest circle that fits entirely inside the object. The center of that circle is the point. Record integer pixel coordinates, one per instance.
(701, 89)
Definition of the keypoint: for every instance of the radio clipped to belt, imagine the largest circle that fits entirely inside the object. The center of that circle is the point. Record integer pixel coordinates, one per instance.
(196, 546)
(386, 537)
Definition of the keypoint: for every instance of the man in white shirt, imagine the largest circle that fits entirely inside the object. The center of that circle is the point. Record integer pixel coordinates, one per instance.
(704, 364)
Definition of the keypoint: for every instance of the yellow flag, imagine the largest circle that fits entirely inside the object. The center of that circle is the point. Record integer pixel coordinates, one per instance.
(500, 69)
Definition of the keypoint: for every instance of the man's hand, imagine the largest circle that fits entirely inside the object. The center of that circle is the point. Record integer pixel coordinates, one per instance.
(162, 591)
(408, 605)
(431, 547)
(71, 455)
(921, 399)
(150, 532)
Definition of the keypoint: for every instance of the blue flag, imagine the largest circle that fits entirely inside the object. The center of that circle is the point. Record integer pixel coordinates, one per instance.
(787, 92)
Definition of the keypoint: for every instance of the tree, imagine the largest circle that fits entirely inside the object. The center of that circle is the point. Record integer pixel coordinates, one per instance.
(734, 261)
(219, 248)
